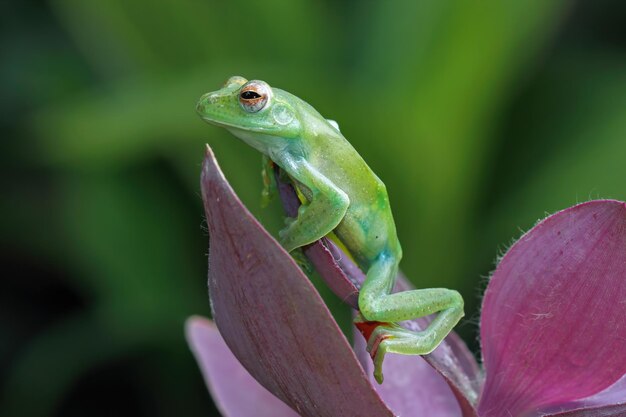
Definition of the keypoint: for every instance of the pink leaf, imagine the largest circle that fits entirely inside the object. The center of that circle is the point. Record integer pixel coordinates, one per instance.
(553, 325)
(233, 389)
(608, 403)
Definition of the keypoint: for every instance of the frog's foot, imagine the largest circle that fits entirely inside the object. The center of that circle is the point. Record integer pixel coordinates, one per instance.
(378, 335)
(383, 338)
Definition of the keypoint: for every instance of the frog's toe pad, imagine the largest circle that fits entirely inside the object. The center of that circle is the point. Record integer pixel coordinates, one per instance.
(377, 335)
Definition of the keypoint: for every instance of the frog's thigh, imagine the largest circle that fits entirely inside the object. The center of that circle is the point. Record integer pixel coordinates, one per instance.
(409, 305)
(376, 304)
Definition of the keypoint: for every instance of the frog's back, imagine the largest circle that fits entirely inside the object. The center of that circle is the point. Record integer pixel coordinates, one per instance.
(368, 228)
(330, 153)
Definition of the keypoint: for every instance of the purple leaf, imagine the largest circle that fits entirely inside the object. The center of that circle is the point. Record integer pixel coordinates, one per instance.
(234, 391)
(552, 324)
(272, 318)
(616, 410)
(615, 394)
(465, 361)
(610, 402)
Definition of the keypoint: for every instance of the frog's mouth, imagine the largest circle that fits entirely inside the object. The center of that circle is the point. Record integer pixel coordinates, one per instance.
(213, 108)
(220, 123)
(233, 127)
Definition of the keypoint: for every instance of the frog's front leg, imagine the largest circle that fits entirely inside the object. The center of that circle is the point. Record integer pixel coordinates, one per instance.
(326, 206)
(269, 183)
(384, 309)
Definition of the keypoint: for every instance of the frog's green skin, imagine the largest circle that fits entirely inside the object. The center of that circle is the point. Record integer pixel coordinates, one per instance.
(343, 196)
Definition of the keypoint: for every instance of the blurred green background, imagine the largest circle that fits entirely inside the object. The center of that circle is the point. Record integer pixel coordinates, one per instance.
(479, 116)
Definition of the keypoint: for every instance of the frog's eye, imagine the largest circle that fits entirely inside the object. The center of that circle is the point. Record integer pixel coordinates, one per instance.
(254, 96)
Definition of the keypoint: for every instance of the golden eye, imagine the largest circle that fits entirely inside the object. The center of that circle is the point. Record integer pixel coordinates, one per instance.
(254, 96)
(250, 95)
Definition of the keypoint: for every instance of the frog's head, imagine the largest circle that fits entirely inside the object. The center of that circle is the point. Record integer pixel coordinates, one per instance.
(251, 110)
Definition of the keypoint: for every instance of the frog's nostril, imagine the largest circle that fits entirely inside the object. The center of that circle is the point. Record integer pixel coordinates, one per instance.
(200, 106)
(206, 100)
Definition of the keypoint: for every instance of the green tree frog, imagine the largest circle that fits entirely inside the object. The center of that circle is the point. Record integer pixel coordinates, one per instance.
(342, 195)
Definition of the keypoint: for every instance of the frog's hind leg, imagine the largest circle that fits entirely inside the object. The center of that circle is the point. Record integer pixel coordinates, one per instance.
(380, 310)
